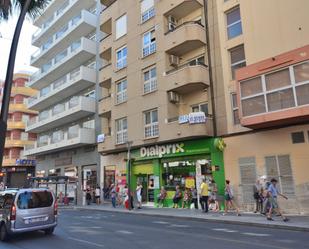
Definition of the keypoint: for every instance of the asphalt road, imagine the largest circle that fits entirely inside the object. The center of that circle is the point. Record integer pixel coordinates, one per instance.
(95, 229)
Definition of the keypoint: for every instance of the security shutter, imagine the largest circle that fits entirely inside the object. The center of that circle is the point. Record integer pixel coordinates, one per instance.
(279, 167)
(247, 168)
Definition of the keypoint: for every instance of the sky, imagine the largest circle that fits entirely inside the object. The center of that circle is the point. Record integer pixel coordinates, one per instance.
(24, 51)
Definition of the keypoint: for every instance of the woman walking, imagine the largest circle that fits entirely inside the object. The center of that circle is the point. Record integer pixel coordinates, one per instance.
(229, 199)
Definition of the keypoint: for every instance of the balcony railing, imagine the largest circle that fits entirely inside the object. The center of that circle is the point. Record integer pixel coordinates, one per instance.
(193, 63)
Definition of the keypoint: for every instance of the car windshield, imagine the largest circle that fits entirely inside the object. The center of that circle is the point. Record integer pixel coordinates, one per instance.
(34, 199)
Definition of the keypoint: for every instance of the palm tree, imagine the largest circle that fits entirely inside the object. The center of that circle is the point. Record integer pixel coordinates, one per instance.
(32, 8)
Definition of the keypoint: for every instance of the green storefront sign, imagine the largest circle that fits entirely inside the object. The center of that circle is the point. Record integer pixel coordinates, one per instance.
(154, 156)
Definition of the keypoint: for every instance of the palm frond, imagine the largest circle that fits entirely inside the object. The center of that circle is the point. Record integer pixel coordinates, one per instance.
(5, 9)
(36, 7)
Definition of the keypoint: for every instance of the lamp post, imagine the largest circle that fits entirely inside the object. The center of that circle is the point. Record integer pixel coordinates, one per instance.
(129, 144)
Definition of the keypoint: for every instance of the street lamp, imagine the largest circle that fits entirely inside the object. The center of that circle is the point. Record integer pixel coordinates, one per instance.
(129, 144)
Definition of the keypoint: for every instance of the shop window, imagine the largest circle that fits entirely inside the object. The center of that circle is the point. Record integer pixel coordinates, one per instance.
(298, 137)
(279, 167)
(233, 20)
(238, 59)
(247, 166)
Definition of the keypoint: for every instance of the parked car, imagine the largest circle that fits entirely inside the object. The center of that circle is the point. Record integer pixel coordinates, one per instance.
(25, 210)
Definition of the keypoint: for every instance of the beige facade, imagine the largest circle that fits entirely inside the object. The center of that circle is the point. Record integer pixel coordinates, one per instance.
(264, 29)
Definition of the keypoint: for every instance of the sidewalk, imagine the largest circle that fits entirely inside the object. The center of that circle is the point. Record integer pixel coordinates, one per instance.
(297, 223)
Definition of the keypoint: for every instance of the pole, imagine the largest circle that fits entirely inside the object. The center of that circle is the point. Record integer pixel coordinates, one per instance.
(9, 78)
(129, 173)
(211, 82)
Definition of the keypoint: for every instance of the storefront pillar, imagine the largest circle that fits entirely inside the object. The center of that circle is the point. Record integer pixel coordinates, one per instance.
(158, 179)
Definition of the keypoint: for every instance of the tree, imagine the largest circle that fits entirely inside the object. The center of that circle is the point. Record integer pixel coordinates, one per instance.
(32, 9)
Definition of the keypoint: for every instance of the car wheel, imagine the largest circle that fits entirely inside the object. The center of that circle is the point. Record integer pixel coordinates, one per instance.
(4, 236)
(49, 231)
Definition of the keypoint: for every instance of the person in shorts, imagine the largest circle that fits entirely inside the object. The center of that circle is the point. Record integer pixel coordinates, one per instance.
(139, 195)
(229, 198)
(98, 195)
(272, 198)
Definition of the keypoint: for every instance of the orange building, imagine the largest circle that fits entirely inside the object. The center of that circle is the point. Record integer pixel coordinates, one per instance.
(16, 167)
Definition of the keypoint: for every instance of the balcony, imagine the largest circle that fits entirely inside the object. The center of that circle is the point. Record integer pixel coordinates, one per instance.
(75, 109)
(105, 75)
(55, 16)
(68, 85)
(16, 107)
(27, 91)
(180, 8)
(7, 161)
(185, 38)
(13, 143)
(107, 3)
(106, 43)
(82, 137)
(275, 92)
(105, 106)
(187, 78)
(16, 125)
(77, 53)
(80, 25)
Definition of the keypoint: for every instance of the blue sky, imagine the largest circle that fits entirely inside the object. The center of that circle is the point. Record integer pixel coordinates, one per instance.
(25, 49)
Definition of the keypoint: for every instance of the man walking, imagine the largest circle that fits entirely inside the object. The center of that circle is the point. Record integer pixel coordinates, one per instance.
(204, 196)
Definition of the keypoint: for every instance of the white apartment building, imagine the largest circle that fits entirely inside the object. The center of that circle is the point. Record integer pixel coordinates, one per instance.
(66, 81)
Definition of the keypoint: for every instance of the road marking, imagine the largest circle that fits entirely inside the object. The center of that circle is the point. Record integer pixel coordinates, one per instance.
(95, 227)
(257, 234)
(176, 225)
(160, 222)
(225, 230)
(124, 232)
(86, 242)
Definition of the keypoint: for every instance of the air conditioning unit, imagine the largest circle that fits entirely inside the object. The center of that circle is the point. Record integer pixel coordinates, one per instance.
(173, 97)
(171, 26)
(174, 60)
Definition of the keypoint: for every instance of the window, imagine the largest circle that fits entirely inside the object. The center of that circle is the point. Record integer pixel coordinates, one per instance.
(147, 10)
(238, 59)
(202, 107)
(43, 140)
(150, 80)
(197, 61)
(233, 23)
(73, 131)
(90, 94)
(151, 124)
(44, 115)
(90, 124)
(57, 109)
(279, 167)
(37, 199)
(57, 136)
(121, 26)
(235, 109)
(121, 58)
(149, 43)
(121, 131)
(298, 137)
(121, 89)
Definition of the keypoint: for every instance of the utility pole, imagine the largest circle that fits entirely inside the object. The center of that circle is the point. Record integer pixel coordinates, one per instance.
(129, 144)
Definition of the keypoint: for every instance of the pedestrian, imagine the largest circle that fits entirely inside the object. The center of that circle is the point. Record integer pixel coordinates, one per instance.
(186, 198)
(213, 189)
(257, 195)
(272, 195)
(88, 197)
(162, 196)
(124, 194)
(113, 195)
(60, 197)
(204, 196)
(139, 195)
(214, 205)
(229, 199)
(177, 197)
(98, 195)
(194, 197)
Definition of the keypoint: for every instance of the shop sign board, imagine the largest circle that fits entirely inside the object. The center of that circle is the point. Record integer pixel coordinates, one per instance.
(25, 162)
(192, 118)
(161, 150)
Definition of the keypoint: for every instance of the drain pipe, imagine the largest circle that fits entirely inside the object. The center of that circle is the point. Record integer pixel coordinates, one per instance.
(211, 82)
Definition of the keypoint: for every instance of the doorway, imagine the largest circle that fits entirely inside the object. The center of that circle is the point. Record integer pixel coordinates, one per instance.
(147, 181)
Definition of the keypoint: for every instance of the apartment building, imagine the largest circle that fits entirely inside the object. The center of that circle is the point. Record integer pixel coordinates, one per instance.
(183, 123)
(17, 168)
(266, 100)
(156, 96)
(66, 81)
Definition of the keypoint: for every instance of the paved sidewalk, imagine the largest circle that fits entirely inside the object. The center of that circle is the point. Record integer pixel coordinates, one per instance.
(298, 223)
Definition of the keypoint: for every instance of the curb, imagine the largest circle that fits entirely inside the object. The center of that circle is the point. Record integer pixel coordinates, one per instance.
(244, 223)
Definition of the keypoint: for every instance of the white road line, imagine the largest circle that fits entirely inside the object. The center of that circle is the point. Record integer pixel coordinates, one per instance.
(124, 232)
(176, 225)
(257, 234)
(224, 230)
(160, 222)
(86, 242)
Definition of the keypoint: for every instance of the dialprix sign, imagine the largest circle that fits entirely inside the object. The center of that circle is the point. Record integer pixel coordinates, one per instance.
(161, 150)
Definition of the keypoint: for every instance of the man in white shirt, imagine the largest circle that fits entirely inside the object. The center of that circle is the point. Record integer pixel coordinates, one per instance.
(139, 195)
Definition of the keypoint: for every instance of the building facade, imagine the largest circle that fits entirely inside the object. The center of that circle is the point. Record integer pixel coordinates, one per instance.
(166, 85)
(17, 168)
(66, 81)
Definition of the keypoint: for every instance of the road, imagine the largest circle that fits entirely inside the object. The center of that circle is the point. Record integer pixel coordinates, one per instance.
(95, 230)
